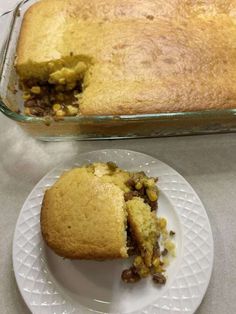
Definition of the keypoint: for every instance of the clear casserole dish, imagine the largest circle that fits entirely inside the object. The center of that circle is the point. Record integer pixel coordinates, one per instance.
(95, 127)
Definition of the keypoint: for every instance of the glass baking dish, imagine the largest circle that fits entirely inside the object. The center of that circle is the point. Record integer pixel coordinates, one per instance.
(95, 127)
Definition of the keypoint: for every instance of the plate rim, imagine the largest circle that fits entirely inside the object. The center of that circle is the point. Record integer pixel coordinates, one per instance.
(72, 162)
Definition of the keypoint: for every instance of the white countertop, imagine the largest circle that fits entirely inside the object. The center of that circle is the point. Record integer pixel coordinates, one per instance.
(6, 5)
(207, 162)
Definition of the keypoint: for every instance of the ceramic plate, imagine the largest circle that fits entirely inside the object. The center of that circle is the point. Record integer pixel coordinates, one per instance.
(51, 284)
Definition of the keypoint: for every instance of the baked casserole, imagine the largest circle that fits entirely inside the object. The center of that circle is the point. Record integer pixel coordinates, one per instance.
(100, 212)
(118, 57)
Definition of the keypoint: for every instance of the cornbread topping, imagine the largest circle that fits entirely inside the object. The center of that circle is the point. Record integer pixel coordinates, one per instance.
(100, 211)
(58, 96)
(115, 57)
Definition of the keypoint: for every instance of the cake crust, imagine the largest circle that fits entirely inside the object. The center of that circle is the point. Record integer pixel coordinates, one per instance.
(83, 217)
(140, 56)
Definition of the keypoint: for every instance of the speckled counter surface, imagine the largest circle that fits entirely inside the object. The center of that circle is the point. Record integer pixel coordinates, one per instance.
(207, 162)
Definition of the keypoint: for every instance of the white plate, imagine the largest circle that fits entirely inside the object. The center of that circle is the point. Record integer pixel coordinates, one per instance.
(51, 284)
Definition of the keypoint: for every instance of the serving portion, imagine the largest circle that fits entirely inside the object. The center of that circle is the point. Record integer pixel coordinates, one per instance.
(124, 57)
(50, 283)
(101, 212)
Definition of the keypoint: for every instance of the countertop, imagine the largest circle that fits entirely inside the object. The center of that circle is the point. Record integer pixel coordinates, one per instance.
(207, 162)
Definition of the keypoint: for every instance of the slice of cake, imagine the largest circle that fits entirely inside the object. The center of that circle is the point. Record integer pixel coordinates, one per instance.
(101, 212)
(85, 218)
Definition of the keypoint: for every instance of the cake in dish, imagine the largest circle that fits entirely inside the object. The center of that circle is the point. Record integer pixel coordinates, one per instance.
(118, 57)
(100, 212)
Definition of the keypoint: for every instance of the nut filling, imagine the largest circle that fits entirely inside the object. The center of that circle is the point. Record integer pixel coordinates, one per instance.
(46, 99)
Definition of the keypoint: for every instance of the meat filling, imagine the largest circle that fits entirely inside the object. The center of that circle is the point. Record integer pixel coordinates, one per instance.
(44, 99)
(150, 258)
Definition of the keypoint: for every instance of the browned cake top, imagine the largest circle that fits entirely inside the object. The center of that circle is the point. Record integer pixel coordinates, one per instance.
(84, 217)
(135, 56)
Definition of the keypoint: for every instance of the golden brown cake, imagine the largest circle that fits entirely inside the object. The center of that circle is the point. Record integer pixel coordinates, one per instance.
(84, 217)
(129, 56)
(144, 227)
(101, 212)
